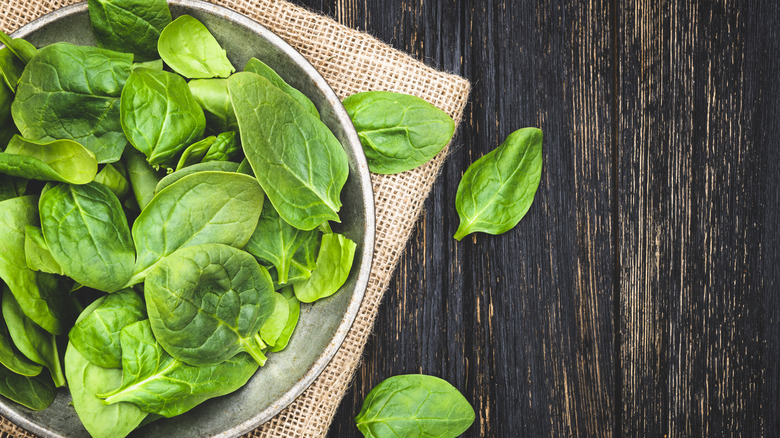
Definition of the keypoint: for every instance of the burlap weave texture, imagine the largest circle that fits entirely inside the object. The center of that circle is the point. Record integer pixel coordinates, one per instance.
(351, 62)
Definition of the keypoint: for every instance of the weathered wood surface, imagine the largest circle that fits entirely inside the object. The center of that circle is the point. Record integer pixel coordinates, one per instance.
(640, 296)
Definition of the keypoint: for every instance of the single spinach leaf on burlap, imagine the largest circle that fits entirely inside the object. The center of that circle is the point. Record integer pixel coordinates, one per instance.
(158, 383)
(96, 336)
(294, 312)
(159, 115)
(79, 88)
(114, 177)
(204, 207)
(213, 97)
(129, 25)
(334, 261)
(207, 302)
(195, 152)
(399, 132)
(224, 148)
(58, 160)
(88, 235)
(273, 326)
(297, 160)
(34, 342)
(143, 178)
(218, 166)
(255, 65)
(36, 252)
(414, 406)
(498, 189)
(191, 51)
(34, 392)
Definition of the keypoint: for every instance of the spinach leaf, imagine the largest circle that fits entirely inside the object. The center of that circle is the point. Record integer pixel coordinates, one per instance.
(159, 115)
(398, 132)
(213, 97)
(129, 25)
(35, 392)
(207, 302)
(96, 336)
(334, 261)
(297, 160)
(245, 168)
(85, 380)
(275, 242)
(294, 312)
(303, 262)
(157, 64)
(273, 326)
(19, 47)
(88, 235)
(223, 148)
(11, 68)
(114, 177)
(195, 152)
(158, 383)
(255, 65)
(63, 77)
(36, 252)
(11, 357)
(191, 51)
(218, 166)
(12, 188)
(58, 160)
(34, 342)
(498, 189)
(412, 406)
(6, 98)
(205, 207)
(143, 178)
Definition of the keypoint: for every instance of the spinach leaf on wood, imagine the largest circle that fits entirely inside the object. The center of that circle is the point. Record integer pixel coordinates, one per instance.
(159, 115)
(294, 312)
(219, 166)
(498, 189)
(57, 160)
(206, 303)
(255, 65)
(213, 97)
(399, 132)
(64, 77)
(129, 25)
(297, 160)
(334, 261)
(191, 51)
(414, 406)
(36, 252)
(36, 392)
(88, 235)
(158, 383)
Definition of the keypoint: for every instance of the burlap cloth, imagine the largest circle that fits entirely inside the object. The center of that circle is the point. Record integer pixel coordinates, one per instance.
(351, 62)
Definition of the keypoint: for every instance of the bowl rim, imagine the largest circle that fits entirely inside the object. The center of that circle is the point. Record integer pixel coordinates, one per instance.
(366, 190)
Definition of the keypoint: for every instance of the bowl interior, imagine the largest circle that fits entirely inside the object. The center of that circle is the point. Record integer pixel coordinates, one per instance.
(322, 325)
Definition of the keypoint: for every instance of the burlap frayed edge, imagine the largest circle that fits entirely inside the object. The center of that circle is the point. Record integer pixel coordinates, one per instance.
(351, 62)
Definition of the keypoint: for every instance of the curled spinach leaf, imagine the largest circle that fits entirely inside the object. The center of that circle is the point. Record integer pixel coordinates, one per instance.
(195, 152)
(36, 252)
(58, 160)
(223, 148)
(143, 178)
(11, 357)
(129, 25)
(498, 189)
(213, 97)
(191, 51)
(293, 313)
(11, 68)
(19, 47)
(255, 65)
(276, 322)
(114, 177)
(34, 392)
(217, 166)
(334, 261)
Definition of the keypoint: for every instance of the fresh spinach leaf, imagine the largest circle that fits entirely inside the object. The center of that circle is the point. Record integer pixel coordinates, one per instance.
(19, 47)
(273, 326)
(36, 392)
(129, 25)
(143, 178)
(334, 261)
(414, 406)
(6, 99)
(191, 51)
(399, 132)
(58, 160)
(207, 302)
(157, 64)
(218, 166)
(63, 77)
(158, 383)
(213, 97)
(195, 152)
(114, 177)
(11, 68)
(224, 148)
(11, 187)
(159, 115)
(10, 356)
(498, 189)
(297, 160)
(294, 312)
(255, 65)
(36, 252)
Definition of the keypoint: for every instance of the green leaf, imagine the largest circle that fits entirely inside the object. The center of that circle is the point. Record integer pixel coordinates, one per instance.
(223, 148)
(36, 252)
(19, 47)
(11, 358)
(64, 77)
(11, 68)
(157, 64)
(57, 160)
(36, 393)
(294, 312)
(498, 189)
(276, 322)
(158, 383)
(159, 115)
(212, 95)
(399, 132)
(88, 235)
(218, 166)
(12, 188)
(195, 152)
(334, 262)
(255, 65)
(207, 302)
(113, 176)
(191, 51)
(143, 178)
(6, 99)
(297, 160)
(414, 406)
(129, 25)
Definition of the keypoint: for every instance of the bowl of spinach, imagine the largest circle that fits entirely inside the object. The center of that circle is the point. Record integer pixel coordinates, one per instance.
(165, 267)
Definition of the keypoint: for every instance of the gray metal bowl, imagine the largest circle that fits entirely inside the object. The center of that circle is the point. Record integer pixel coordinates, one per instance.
(324, 324)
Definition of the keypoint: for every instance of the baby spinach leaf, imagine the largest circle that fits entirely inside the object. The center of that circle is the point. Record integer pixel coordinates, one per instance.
(11, 187)
(334, 262)
(219, 166)
(414, 406)
(6, 99)
(58, 160)
(399, 132)
(273, 326)
(143, 178)
(96, 336)
(85, 380)
(63, 77)
(113, 176)
(19, 47)
(255, 65)
(303, 262)
(11, 357)
(34, 342)
(87, 233)
(213, 97)
(245, 168)
(35, 392)
(195, 152)
(205, 207)
(36, 252)
(294, 312)
(191, 51)
(498, 189)
(207, 302)
(11, 68)
(157, 64)
(297, 160)
(223, 148)
(129, 25)
(159, 115)
(158, 383)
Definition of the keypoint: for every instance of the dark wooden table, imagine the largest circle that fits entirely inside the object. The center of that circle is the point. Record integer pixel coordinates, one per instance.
(640, 296)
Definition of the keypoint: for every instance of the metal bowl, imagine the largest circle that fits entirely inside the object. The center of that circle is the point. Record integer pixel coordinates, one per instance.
(323, 325)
